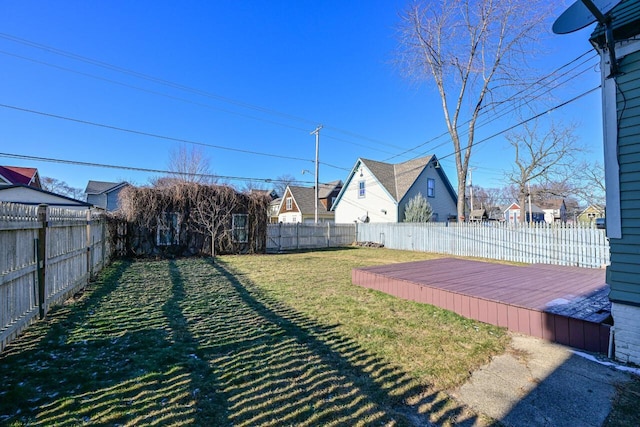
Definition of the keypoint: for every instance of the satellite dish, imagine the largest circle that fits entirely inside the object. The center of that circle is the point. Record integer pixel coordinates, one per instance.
(583, 13)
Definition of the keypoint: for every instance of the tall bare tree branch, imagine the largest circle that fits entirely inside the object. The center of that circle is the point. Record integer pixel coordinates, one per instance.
(472, 51)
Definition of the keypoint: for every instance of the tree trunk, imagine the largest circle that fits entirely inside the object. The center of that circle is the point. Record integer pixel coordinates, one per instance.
(213, 247)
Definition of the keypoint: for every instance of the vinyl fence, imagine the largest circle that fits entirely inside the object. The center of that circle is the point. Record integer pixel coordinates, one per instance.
(46, 255)
(282, 237)
(573, 245)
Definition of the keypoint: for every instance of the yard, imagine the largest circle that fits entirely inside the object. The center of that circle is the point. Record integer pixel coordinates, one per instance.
(250, 340)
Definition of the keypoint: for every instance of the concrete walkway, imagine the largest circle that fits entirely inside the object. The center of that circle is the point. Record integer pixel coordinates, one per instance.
(538, 383)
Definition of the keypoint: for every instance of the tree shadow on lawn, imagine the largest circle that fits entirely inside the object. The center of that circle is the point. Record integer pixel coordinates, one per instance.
(187, 342)
(303, 373)
(118, 356)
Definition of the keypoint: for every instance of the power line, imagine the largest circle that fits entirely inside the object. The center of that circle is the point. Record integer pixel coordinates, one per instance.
(518, 95)
(526, 120)
(181, 87)
(139, 169)
(164, 137)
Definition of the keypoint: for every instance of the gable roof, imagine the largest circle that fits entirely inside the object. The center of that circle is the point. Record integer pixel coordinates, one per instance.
(303, 197)
(20, 176)
(397, 178)
(100, 187)
(534, 208)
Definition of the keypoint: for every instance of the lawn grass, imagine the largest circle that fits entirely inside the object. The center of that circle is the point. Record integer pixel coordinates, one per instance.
(253, 340)
(436, 346)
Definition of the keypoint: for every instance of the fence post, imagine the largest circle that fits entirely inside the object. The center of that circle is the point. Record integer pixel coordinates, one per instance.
(103, 236)
(42, 258)
(328, 234)
(89, 248)
(297, 235)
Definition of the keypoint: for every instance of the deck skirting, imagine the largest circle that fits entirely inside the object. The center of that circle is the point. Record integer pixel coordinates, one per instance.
(518, 298)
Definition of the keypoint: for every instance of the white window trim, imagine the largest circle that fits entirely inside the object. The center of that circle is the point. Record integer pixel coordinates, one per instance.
(362, 189)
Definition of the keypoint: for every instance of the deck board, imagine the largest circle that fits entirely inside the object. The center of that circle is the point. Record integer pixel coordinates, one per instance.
(562, 304)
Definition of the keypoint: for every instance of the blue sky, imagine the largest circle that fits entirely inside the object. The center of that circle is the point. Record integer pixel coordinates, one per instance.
(256, 76)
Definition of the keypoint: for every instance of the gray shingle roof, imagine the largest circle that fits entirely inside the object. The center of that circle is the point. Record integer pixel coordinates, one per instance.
(304, 199)
(398, 178)
(324, 190)
(99, 187)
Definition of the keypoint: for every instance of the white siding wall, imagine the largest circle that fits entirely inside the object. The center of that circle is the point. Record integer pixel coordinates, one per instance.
(375, 201)
(290, 217)
(442, 203)
(24, 195)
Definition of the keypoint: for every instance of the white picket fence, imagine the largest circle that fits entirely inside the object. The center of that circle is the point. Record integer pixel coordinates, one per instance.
(282, 237)
(558, 244)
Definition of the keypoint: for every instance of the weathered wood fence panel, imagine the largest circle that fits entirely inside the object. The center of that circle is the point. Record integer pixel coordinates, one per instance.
(46, 255)
(282, 237)
(573, 245)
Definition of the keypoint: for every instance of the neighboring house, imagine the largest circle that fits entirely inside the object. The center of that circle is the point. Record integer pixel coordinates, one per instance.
(555, 210)
(378, 192)
(274, 205)
(478, 215)
(621, 123)
(495, 213)
(28, 195)
(10, 175)
(298, 205)
(589, 215)
(274, 208)
(104, 194)
(512, 213)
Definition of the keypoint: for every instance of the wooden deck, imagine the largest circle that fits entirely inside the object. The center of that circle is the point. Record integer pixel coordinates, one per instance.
(568, 305)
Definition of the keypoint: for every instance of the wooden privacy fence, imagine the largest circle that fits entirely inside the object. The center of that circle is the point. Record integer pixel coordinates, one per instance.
(282, 237)
(46, 255)
(573, 245)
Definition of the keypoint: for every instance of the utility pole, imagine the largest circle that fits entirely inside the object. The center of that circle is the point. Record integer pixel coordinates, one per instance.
(471, 186)
(530, 209)
(317, 133)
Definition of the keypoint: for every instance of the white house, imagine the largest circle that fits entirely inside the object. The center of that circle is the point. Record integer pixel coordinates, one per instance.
(378, 192)
(28, 195)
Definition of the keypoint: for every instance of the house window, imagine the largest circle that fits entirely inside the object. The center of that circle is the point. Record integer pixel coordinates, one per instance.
(289, 203)
(431, 187)
(240, 225)
(361, 189)
(168, 232)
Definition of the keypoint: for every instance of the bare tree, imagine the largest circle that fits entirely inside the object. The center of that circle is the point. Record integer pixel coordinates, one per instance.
(57, 186)
(282, 182)
(475, 52)
(212, 211)
(190, 165)
(542, 158)
(589, 183)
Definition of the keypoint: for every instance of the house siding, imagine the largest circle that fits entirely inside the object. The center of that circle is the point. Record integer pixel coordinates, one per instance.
(376, 200)
(98, 200)
(624, 271)
(442, 203)
(112, 200)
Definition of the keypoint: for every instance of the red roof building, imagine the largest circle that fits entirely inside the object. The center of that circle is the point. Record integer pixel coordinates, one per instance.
(14, 175)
